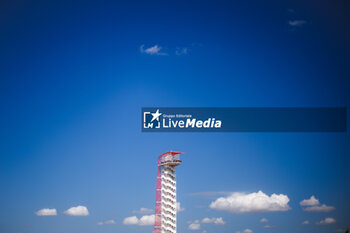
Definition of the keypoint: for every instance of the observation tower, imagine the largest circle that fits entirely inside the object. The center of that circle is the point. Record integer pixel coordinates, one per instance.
(165, 211)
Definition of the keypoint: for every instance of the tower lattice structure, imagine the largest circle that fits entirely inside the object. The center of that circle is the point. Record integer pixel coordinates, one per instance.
(165, 211)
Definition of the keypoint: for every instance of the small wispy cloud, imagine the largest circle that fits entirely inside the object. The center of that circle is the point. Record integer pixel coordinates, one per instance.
(143, 211)
(326, 221)
(245, 231)
(306, 222)
(106, 222)
(181, 51)
(216, 221)
(178, 51)
(314, 205)
(154, 50)
(194, 225)
(46, 212)
(146, 220)
(264, 220)
(268, 226)
(296, 23)
(320, 208)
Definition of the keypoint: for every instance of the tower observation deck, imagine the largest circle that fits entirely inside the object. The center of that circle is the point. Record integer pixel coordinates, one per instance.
(165, 211)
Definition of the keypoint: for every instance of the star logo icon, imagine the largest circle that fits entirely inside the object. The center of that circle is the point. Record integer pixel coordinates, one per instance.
(156, 115)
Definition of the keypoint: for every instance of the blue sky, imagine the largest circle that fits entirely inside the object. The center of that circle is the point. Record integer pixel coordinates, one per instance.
(74, 76)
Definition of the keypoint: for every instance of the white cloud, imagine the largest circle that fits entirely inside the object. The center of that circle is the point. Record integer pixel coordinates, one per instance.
(217, 221)
(268, 226)
(133, 220)
(178, 207)
(264, 220)
(310, 202)
(207, 220)
(195, 225)
(251, 203)
(77, 211)
(109, 222)
(181, 51)
(320, 208)
(143, 211)
(154, 50)
(46, 212)
(146, 220)
(106, 222)
(296, 23)
(305, 222)
(326, 221)
(314, 205)
(245, 231)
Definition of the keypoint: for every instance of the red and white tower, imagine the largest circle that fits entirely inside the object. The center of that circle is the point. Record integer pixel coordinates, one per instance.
(165, 211)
